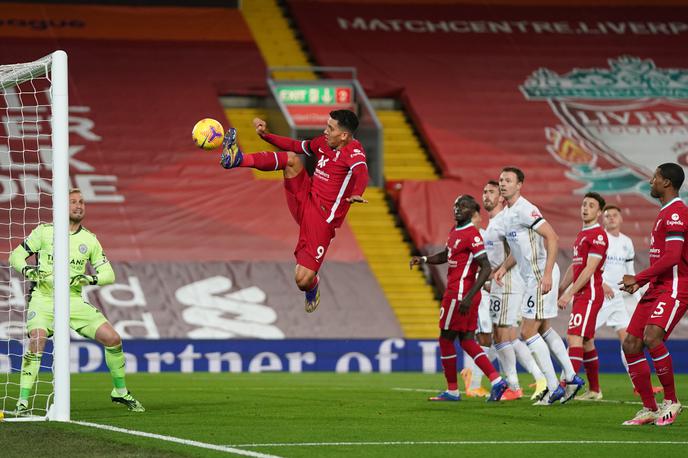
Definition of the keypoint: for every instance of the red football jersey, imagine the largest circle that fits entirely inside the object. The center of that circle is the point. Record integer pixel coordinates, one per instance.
(339, 174)
(592, 241)
(671, 225)
(464, 244)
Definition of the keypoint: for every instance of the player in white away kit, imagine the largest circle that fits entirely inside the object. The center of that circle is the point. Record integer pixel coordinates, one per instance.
(505, 301)
(534, 246)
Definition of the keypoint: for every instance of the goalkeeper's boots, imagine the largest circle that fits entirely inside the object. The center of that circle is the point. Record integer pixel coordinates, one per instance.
(497, 391)
(231, 154)
(22, 407)
(445, 396)
(128, 400)
(668, 412)
(644, 416)
(572, 388)
(313, 299)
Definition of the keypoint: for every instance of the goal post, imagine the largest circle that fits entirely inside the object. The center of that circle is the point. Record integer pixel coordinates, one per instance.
(34, 156)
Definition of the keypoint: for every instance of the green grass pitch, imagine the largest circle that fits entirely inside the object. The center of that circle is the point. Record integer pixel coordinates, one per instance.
(332, 415)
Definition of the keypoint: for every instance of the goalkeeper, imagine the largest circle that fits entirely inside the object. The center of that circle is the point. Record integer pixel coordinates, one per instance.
(83, 317)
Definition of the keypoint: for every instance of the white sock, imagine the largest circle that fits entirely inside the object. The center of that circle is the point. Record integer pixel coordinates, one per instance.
(491, 352)
(559, 351)
(526, 360)
(477, 378)
(623, 359)
(540, 351)
(507, 361)
(453, 392)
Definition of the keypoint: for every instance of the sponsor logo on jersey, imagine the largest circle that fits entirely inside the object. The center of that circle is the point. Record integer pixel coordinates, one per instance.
(599, 241)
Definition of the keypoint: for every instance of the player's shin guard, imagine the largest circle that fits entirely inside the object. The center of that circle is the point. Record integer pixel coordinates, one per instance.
(592, 369)
(639, 371)
(31, 364)
(576, 357)
(558, 350)
(448, 357)
(540, 351)
(266, 160)
(507, 360)
(115, 361)
(664, 369)
(471, 347)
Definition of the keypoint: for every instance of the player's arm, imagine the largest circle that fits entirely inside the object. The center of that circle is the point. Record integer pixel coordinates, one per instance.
(670, 257)
(437, 258)
(584, 277)
(359, 178)
(566, 280)
(283, 143)
(507, 265)
(25, 250)
(551, 246)
(483, 274)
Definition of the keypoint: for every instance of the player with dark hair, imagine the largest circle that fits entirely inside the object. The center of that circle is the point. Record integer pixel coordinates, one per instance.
(319, 204)
(465, 253)
(585, 272)
(534, 246)
(663, 304)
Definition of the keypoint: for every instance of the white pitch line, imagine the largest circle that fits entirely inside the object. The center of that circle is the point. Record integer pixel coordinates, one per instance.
(177, 440)
(534, 442)
(610, 401)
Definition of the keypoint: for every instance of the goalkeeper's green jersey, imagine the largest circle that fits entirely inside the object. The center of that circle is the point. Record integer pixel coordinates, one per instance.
(84, 248)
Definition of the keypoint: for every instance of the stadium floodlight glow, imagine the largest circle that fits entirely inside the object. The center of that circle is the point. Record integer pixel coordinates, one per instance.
(34, 173)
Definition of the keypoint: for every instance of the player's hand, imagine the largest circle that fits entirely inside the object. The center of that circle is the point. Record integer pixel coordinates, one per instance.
(83, 280)
(260, 126)
(416, 261)
(498, 275)
(354, 199)
(608, 291)
(465, 306)
(629, 284)
(546, 283)
(32, 273)
(564, 301)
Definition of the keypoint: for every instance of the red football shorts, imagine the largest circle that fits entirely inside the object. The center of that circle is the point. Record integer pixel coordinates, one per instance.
(451, 319)
(315, 234)
(584, 316)
(657, 308)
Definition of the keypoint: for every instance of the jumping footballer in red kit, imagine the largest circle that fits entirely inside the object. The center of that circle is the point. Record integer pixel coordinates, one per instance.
(319, 203)
(585, 272)
(465, 253)
(663, 304)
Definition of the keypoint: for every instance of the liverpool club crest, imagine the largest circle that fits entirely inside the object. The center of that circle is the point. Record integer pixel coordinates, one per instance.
(617, 123)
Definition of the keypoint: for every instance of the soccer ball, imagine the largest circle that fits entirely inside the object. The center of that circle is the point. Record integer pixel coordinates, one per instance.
(208, 134)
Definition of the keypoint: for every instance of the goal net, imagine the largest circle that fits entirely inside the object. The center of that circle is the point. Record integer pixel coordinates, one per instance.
(34, 190)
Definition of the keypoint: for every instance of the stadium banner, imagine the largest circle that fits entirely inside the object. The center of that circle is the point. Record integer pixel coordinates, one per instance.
(295, 356)
(225, 300)
(104, 22)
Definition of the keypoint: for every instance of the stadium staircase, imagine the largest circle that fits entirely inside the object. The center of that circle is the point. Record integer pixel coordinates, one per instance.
(380, 238)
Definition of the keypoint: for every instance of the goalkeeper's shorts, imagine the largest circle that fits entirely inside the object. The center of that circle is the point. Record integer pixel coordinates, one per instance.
(83, 317)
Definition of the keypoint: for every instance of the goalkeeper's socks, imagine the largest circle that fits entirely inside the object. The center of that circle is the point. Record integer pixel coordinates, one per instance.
(266, 160)
(114, 359)
(31, 364)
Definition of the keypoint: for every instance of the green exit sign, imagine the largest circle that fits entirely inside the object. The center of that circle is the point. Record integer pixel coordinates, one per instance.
(314, 95)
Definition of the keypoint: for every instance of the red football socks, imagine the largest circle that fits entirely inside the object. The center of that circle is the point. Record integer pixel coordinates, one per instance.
(266, 160)
(448, 357)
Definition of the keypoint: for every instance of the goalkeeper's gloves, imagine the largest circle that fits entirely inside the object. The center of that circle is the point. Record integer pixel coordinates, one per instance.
(32, 273)
(83, 280)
